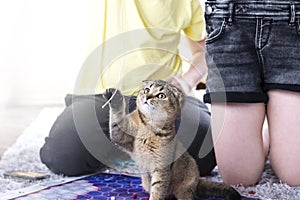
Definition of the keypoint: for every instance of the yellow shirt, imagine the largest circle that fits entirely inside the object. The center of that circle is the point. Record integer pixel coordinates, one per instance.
(136, 40)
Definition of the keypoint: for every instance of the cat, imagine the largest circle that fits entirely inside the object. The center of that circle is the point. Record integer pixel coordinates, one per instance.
(148, 135)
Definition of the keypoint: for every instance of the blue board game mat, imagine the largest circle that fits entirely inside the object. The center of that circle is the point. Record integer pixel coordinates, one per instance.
(101, 186)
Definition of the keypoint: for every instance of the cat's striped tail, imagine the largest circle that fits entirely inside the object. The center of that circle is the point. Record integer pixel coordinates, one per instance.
(217, 190)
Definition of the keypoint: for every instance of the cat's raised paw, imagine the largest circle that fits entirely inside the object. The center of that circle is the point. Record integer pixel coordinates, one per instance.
(114, 96)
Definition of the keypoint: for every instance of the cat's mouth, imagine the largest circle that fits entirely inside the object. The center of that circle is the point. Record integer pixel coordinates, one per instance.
(147, 104)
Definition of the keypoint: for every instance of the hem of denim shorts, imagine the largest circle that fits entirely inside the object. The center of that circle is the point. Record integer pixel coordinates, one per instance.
(235, 97)
(288, 87)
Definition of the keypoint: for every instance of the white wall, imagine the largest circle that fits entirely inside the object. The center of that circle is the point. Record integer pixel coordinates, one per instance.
(42, 46)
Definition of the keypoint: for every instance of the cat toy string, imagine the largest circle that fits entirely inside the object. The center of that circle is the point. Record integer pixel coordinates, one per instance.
(123, 59)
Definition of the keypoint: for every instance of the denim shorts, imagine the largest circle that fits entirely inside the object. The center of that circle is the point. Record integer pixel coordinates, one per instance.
(252, 47)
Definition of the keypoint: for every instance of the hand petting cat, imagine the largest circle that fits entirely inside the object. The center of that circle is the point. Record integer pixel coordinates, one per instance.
(196, 71)
(180, 83)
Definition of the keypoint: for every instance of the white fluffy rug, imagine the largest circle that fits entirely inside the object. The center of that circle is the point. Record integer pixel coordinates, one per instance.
(24, 156)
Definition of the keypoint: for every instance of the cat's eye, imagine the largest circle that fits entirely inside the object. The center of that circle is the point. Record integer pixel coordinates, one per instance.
(146, 90)
(161, 96)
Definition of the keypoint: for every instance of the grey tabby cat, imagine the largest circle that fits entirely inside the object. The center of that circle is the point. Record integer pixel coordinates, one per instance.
(148, 136)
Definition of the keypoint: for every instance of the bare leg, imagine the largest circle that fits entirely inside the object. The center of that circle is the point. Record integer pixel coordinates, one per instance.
(284, 127)
(238, 141)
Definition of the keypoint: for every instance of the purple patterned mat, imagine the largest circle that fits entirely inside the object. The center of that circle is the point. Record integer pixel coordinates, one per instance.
(99, 187)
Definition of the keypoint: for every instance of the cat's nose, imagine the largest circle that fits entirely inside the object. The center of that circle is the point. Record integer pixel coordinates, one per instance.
(149, 97)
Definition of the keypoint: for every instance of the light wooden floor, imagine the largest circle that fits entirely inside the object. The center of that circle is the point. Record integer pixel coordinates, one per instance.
(13, 121)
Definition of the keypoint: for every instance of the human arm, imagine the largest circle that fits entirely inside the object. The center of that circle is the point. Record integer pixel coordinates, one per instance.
(197, 69)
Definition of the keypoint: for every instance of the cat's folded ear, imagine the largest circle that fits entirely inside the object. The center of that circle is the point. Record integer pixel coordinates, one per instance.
(147, 82)
(178, 94)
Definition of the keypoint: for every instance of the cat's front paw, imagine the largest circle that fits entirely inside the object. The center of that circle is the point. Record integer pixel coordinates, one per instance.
(114, 96)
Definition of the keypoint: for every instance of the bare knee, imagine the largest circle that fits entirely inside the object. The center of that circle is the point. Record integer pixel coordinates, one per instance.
(241, 175)
(291, 179)
(284, 135)
(238, 142)
(286, 170)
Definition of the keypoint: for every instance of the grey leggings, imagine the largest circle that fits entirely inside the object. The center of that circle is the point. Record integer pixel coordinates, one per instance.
(78, 142)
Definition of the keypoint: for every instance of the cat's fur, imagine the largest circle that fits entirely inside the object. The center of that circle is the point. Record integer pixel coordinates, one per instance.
(148, 135)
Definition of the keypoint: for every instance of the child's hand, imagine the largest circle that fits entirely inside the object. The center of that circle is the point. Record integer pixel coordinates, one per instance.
(180, 83)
